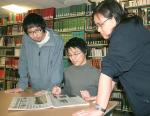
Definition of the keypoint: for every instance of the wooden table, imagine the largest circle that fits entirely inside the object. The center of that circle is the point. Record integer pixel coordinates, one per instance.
(5, 100)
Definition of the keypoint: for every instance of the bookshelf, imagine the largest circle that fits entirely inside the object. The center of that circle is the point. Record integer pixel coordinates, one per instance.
(119, 95)
(141, 8)
(10, 43)
(2, 58)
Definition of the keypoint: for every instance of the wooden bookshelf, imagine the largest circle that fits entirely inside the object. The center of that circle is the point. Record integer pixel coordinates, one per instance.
(139, 6)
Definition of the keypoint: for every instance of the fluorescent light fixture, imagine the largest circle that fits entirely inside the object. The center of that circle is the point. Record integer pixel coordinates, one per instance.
(15, 8)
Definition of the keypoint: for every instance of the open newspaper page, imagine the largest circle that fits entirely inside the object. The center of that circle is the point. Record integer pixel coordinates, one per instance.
(31, 103)
(65, 101)
(45, 101)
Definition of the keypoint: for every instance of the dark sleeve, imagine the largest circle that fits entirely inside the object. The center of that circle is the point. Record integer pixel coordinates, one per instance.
(123, 53)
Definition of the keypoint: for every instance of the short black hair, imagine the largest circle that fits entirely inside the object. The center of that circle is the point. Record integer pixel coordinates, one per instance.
(33, 20)
(76, 42)
(109, 9)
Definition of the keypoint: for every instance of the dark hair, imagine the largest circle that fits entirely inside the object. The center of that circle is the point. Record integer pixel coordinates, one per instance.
(110, 8)
(32, 20)
(76, 42)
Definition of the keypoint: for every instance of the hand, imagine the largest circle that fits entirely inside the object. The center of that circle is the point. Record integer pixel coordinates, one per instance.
(86, 95)
(15, 90)
(92, 98)
(89, 112)
(56, 90)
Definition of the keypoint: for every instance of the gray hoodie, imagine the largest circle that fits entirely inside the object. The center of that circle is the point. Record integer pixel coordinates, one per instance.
(42, 66)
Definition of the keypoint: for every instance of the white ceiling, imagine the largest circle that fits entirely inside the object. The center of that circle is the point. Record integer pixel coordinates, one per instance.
(38, 4)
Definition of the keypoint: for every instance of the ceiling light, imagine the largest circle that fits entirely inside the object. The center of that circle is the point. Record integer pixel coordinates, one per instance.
(15, 8)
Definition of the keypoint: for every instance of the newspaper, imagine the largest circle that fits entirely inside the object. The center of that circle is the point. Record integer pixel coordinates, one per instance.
(45, 101)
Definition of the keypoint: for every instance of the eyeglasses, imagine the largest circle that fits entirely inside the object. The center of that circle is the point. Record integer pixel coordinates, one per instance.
(75, 54)
(101, 25)
(31, 33)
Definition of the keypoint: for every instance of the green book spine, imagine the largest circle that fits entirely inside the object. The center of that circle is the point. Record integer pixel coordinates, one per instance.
(148, 15)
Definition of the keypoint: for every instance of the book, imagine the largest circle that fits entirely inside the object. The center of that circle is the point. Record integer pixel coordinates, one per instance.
(45, 101)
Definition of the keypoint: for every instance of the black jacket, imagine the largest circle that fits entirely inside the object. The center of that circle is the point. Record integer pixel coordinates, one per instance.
(128, 59)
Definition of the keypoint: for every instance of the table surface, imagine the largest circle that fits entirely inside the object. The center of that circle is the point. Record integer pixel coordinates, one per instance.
(6, 100)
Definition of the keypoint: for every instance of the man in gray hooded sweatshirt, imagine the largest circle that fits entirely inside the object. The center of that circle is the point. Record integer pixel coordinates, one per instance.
(41, 58)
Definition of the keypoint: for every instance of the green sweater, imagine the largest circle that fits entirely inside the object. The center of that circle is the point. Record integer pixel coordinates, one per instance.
(79, 78)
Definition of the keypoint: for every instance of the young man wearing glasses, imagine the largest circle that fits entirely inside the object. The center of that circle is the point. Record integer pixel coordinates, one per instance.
(127, 60)
(41, 58)
(80, 78)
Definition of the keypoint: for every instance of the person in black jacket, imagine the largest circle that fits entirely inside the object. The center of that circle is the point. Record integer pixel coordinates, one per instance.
(128, 59)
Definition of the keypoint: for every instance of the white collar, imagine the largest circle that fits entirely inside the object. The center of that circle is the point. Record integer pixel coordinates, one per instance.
(45, 40)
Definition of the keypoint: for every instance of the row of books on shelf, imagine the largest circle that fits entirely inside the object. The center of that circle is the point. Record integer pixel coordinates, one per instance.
(79, 34)
(133, 3)
(148, 15)
(97, 52)
(74, 24)
(12, 18)
(96, 42)
(9, 74)
(1, 85)
(2, 30)
(122, 100)
(2, 73)
(77, 23)
(10, 52)
(2, 61)
(91, 38)
(15, 18)
(11, 63)
(95, 63)
(47, 13)
(75, 10)
(15, 29)
(68, 35)
(50, 13)
(89, 24)
(95, 36)
(14, 41)
(7, 51)
(148, 27)
(9, 84)
(49, 24)
(144, 13)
